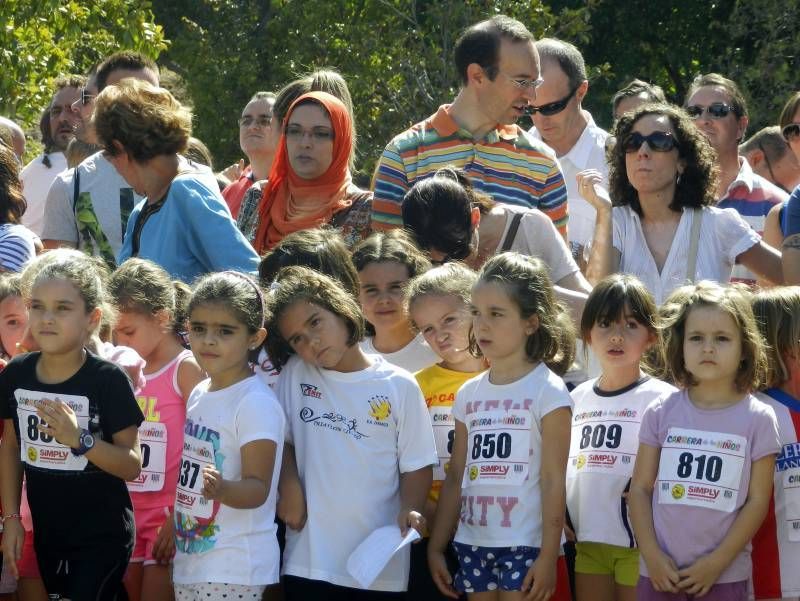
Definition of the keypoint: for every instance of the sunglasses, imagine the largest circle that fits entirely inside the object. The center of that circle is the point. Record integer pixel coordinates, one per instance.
(552, 108)
(715, 110)
(791, 132)
(86, 97)
(659, 141)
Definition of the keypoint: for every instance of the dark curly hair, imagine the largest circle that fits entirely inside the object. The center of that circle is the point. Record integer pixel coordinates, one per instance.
(12, 202)
(697, 184)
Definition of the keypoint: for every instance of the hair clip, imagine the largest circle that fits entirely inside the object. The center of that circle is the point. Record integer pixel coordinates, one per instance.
(274, 287)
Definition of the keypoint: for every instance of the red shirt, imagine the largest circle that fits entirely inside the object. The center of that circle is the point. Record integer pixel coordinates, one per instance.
(234, 192)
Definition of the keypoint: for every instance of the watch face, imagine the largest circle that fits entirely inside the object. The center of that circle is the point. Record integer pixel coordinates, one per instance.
(87, 440)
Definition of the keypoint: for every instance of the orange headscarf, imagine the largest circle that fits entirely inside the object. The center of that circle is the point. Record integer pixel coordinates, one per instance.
(282, 209)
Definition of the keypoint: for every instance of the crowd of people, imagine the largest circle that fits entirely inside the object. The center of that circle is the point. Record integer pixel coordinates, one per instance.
(567, 360)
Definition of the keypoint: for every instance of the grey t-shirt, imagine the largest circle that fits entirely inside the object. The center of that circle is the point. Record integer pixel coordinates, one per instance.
(96, 221)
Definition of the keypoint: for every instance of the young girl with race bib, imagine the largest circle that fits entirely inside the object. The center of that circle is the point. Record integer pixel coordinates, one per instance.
(72, 419)
(776, 546)
(233, 440)
(385, 262)
(619, 325)
(703, 476)
(359, 443)
(150, 317)
(438, 305)
(509, 455)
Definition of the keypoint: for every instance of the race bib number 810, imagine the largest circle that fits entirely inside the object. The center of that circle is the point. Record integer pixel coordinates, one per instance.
(701, 468)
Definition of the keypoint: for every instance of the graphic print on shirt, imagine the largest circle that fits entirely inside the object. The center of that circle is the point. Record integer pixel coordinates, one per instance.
(39, 449)
(443, 432)
(92, 238)
(195, 528)
(701, 468)
(153, 446)
(787, 464)
(604, 441)
(333, 421)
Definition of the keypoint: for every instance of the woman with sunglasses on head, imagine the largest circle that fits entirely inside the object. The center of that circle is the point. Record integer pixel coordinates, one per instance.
(789, 217)
(664, 228)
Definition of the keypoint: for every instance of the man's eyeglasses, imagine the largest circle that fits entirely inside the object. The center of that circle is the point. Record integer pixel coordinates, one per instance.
(318, 134)
(659, 141)
(715, 110)
(552, 108)
(86, 97)
(524, 84)
(262, 121)
(791, 132)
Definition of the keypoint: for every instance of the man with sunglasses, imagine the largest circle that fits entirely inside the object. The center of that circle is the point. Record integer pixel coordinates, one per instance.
(719, 110)
(94, 190)
(41, 171)
(499, 69)
(560, 122)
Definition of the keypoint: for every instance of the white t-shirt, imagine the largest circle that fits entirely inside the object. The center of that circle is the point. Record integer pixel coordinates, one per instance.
(538, 237)
(589, 152)
(602, 451)
(414, 356)
(36, 180)
(265, 370)
(353, 435)
(724, 235)
(501, 497)
(104, 203)
(219, 543)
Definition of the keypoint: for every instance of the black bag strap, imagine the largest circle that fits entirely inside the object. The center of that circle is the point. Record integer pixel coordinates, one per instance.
(76, 190)
(512, 232)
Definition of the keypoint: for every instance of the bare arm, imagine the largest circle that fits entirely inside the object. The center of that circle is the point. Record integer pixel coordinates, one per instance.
(51, 244)
(414, 487)
(791, 260)
(190, 374)
(252, 490)
(291, 498)
(574, 301)
(764, 261)
(603, 257)
(10, 491)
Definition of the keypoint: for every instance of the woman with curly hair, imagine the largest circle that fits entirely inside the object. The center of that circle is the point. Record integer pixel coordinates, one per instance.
(183, 224)
(663, 227)
(17, 243)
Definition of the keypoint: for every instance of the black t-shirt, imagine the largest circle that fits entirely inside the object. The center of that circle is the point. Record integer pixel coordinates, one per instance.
(78, 510)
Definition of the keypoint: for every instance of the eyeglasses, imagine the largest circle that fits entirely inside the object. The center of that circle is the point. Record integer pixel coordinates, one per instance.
(552, 108)
(715, 110)
(86, 97)
(660, 141)
(318, 134)
(524, 84)
(791, 132)
(261, 121)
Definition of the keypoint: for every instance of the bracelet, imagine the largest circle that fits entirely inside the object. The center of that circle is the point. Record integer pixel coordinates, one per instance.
(10, 516)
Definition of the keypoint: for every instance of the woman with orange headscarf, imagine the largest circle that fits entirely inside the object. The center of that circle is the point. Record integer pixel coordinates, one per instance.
(310, 184)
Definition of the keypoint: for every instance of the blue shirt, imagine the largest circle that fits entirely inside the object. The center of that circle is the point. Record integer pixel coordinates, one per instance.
(193, 233)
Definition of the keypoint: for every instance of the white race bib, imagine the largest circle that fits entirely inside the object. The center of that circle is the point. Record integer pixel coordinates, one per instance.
(604, 443)
(498, 448)
(39, 449)
(188, 498)
(701, 468)
(153, 445)
(791, 495)
(443, 432)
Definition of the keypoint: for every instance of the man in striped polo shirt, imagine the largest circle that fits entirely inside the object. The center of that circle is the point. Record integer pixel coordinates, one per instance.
(499, 69)
(720, 112)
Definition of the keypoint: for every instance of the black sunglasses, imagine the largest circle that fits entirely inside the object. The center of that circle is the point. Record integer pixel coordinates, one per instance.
(552, 108)
(715, 110)
(660, 141)
(791, 131)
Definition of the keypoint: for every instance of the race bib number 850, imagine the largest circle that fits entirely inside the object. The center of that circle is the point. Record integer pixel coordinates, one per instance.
(498, 448)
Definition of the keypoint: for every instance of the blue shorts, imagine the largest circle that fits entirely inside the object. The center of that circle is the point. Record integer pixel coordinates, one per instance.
(484, 569)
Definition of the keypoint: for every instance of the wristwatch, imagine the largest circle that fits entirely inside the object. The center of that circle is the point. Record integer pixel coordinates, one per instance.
(86, 440)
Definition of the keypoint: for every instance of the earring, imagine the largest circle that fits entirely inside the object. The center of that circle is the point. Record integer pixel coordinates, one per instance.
(678, 179)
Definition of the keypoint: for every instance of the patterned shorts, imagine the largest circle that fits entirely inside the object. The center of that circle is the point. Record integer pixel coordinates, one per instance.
(216, 591)
(484, 569)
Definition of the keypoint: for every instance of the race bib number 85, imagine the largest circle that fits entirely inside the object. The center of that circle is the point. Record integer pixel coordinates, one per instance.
(701, 468)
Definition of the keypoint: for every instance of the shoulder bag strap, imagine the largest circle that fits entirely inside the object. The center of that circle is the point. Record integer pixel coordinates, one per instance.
(76, 190)
(512, 232)
(694, 242)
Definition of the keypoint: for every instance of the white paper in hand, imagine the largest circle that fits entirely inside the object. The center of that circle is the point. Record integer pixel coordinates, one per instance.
(372, 555)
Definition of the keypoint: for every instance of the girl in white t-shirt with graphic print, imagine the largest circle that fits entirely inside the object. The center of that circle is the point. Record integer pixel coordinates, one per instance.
(225, 528)
(509, 457)
(359, 441)
(618, 323)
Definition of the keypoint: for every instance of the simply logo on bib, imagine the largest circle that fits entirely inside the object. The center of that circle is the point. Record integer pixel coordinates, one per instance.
(498, 449)
(606, 442)
(188, 497)
(443, 431)
(153, 445)
(701, 468)
(37, 448)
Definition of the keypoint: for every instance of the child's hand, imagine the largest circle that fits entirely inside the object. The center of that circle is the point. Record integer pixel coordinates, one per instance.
(408, 518)
(13, 539)
(213, 484)
(699, 577)
(440, 574)
(292, 504)
(663, 572)
(59, 421)
(540, 581)
(164, 545)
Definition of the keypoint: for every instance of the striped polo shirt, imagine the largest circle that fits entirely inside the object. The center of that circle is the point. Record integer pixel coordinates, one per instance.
(508, 164)
(752, 196)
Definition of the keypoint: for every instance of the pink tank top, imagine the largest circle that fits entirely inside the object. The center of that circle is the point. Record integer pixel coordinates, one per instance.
(160, 437)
